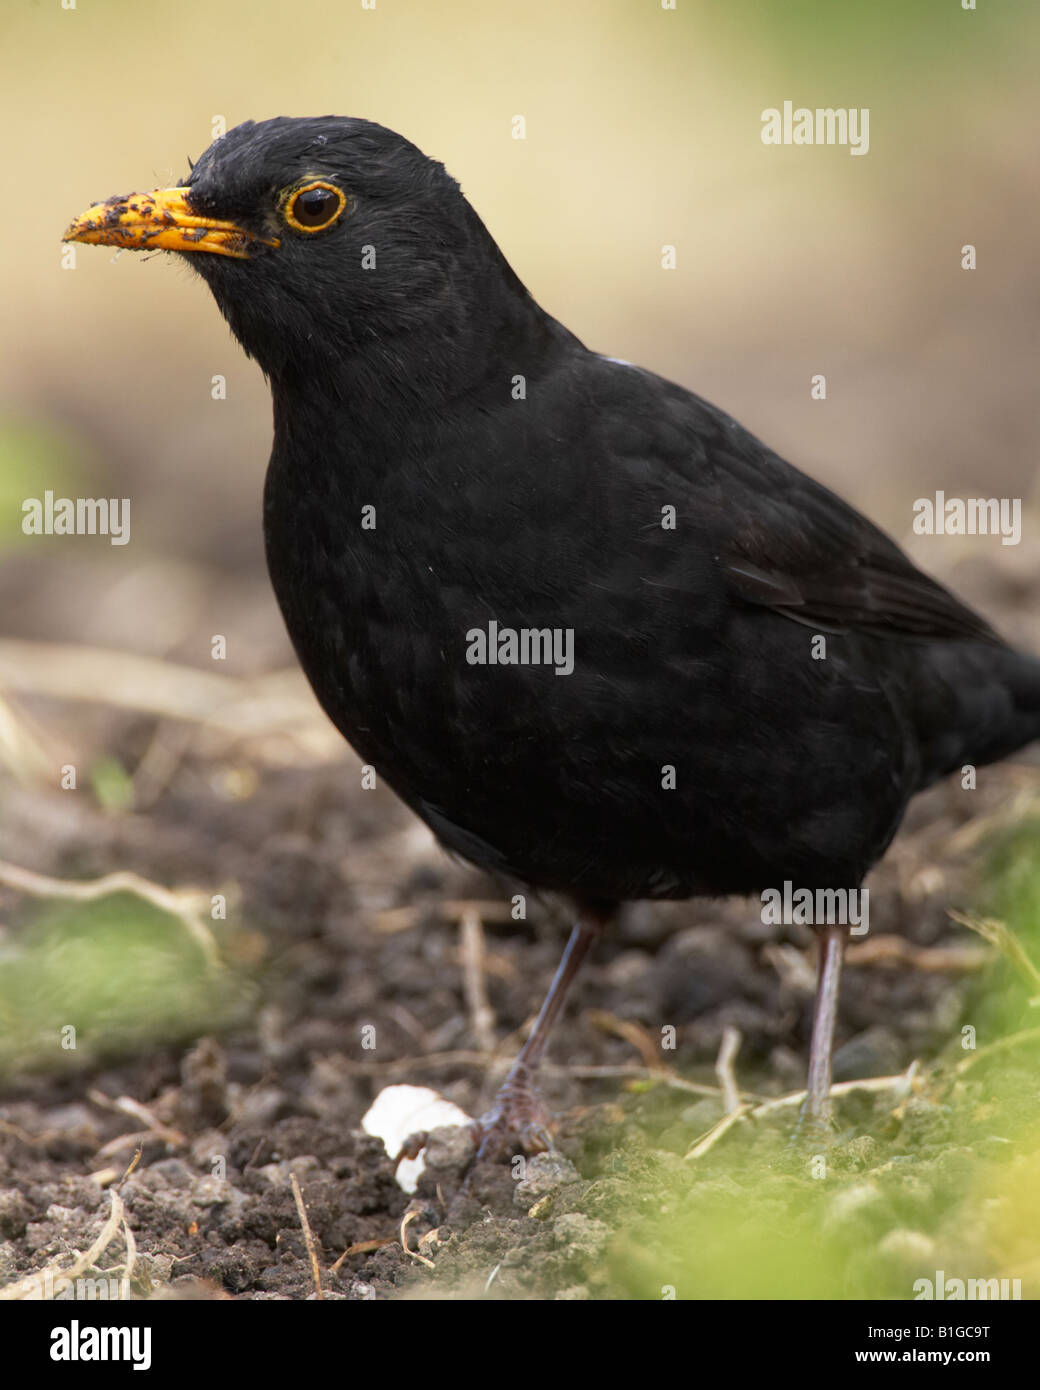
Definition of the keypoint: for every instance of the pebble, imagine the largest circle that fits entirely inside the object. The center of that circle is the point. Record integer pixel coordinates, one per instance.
(583, 1236)
(543, 1174)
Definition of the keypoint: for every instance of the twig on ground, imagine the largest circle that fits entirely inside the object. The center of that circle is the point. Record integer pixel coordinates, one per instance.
(793, 966)
(361, 1247)
(158, 766)
(409, 1217)
(132, 1141)
(132, 1165)
(255, 709)
(30, 1285)
(104, 1177)
(31, 1141)
(896, 950)
(481, 1015)
(131, 1250)
(644, 1043)
(728, 1049)
(154, 1128)
(308, 1238)
(709, 1140)
(185, 905)
(902, 1084)
(125, 1105)
(633, 1073)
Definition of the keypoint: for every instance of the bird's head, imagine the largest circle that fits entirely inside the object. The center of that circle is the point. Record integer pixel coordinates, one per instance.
(322, 239)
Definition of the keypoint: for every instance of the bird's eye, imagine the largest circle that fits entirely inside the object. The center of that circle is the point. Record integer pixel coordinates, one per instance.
(314, 207)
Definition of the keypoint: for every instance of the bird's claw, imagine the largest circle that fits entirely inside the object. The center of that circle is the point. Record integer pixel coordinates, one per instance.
(498, 1137)
(518, 1122)
(412, 1146)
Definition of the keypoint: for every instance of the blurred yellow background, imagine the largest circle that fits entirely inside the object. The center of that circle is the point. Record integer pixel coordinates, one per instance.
(642, 129)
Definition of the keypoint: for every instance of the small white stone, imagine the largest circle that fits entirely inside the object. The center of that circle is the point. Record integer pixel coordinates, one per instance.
(399, 1111)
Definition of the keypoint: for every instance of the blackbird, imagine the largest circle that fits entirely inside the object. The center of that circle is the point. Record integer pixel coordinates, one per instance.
(593, 632)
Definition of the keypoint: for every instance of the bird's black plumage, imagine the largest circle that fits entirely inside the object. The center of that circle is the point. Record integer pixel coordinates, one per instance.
(394, 389)
(515, 476)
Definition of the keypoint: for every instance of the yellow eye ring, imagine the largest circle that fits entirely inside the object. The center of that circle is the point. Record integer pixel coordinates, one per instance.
(314, 207)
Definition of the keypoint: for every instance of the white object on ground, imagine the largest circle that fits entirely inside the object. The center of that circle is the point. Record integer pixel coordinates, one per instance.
(399, 1111)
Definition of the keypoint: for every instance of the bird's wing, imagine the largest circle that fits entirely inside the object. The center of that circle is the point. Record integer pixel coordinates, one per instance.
(795, 547)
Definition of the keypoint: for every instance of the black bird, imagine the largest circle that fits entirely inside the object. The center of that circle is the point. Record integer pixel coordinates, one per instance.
(591, 630)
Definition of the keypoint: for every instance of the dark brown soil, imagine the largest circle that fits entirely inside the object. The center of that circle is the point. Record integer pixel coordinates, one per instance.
(317, 950)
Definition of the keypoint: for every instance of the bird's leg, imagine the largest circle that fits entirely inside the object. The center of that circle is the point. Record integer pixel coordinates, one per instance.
(816, 1111)
(518, 1118)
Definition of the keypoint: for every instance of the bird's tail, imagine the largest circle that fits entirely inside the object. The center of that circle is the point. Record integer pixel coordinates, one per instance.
(979, 704)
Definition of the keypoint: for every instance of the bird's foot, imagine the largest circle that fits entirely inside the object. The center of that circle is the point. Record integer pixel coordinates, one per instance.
(518, 1121)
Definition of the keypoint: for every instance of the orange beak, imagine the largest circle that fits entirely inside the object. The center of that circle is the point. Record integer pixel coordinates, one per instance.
(160, 220)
